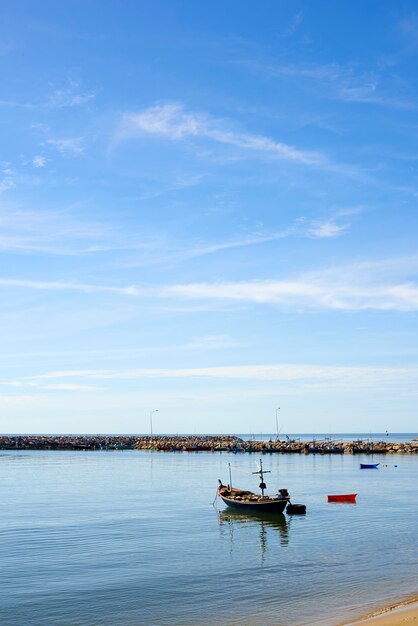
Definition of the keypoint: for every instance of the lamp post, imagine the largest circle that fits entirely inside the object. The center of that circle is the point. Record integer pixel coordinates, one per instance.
(150, 419)
(277, 423)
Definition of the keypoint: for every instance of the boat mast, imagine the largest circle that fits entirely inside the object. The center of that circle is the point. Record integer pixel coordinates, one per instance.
(261, 473)
(230, 477)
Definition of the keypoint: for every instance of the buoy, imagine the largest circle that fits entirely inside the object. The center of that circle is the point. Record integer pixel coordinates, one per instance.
(296, 509)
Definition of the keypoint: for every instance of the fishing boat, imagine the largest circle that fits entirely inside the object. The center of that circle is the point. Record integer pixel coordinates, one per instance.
(249, 501)
(369, 465)
(345, 497)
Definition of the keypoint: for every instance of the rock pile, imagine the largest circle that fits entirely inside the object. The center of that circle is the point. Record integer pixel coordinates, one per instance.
(200, 443)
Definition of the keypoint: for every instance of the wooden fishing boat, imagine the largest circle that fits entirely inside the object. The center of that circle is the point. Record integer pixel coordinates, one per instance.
(345, 497)
(249, 501)
(369, 465)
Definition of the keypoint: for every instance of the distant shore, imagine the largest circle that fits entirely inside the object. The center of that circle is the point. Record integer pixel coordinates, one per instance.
(201, 443)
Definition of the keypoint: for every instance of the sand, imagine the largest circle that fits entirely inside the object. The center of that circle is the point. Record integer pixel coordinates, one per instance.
(401, 615)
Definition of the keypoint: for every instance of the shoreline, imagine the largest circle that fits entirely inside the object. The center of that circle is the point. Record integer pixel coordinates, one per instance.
(395, 614)
(202, 443)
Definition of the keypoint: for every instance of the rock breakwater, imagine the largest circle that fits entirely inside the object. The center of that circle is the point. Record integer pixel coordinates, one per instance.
(200, 443)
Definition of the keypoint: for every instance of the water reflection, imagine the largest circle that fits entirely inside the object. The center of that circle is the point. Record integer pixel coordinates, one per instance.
(270, 527)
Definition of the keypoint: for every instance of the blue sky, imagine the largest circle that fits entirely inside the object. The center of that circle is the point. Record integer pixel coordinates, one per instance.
(209, 209)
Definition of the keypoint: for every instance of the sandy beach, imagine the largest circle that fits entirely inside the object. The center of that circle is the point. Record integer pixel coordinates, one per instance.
(397, 615)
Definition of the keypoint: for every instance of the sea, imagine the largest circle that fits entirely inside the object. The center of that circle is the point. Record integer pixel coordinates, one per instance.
(138, 538)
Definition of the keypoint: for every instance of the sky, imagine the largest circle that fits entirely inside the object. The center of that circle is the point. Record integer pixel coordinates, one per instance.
(208, 211)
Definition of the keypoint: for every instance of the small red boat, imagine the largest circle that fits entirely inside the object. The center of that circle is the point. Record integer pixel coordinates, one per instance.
(346, 497)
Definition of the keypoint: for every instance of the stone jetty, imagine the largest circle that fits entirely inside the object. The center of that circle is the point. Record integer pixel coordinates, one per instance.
(200, 443)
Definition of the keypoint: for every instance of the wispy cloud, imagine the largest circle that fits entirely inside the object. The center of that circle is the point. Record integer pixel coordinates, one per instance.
(327, 230)
(370, 92)
(408, 27)
(71, 387)
(330, 377)
(210, 342)
(7, 183)
(68, 286)
(295, 22)
(70, 95)
(172, 121)
(39, 161)
(351, 288)
(305, 294)
(34, 384)
(66, 232)
(347, 83)
(69, 145)
(251, 240)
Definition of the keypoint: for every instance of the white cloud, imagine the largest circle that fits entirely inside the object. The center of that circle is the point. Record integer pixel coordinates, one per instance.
(305, 294)
(251, 240)
(172, 121)
(68, 286)
(357, 287)
(39, 161)
(210, 342)
(70, 387)
(347, 83)
(6, 184)
(64, 232)
(310, 376)
(169, 120)
(69, 96)
(35, 384)
(327, 230)
(300, 228)
(71, 145)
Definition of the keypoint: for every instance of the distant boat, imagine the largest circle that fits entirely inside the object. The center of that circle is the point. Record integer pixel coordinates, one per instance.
(346, 497)
(249, 501)
(369, 465)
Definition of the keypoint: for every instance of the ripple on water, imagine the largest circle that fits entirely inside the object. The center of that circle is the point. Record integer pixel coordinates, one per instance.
(131, 538)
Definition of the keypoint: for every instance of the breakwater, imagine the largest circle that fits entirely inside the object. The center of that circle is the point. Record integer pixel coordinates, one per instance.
(203, 443)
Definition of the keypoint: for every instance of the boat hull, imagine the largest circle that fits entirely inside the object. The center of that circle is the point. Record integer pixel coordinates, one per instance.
(271, 506)
(369, 465)
(346, 497)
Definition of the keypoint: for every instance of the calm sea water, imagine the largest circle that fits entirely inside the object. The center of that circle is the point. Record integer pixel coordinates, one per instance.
(131, 538)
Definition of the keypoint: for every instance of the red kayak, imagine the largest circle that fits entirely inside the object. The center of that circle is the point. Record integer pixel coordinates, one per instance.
(346, 497)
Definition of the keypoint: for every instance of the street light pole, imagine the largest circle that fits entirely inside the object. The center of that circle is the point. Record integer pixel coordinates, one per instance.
(150, 419)
(277, 423)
